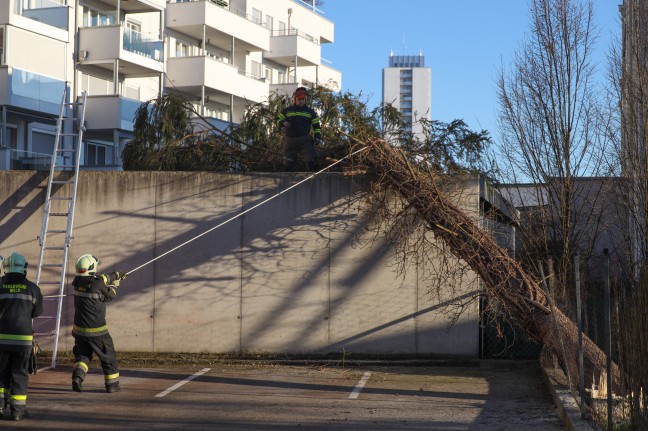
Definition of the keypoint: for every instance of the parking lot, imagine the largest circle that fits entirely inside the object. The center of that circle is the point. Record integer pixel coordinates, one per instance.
(255, 396)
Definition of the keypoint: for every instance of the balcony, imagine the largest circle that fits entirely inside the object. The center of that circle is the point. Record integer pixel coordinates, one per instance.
(139, 6)
(29, 90)
(138, 54)
(48, 12)
(287, 45)
(110, 112)
(206, 20)
(189, 74)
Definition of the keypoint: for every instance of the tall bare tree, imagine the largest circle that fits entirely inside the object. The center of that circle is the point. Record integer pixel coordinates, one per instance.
(549, 121)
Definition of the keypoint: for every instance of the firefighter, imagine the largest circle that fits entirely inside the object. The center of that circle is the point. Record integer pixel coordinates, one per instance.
(20, 301)
(297, 121)
(90, 331)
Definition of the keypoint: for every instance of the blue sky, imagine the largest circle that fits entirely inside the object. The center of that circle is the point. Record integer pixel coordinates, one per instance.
(465, 43)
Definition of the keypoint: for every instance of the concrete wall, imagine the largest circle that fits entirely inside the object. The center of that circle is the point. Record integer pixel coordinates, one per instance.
(294, 275)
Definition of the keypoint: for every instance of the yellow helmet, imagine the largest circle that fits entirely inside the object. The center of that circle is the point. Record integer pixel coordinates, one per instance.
(86, 265)
(15, 263)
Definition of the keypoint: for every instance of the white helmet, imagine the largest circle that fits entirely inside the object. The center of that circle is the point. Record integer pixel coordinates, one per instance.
(15, 263)
(86, 265)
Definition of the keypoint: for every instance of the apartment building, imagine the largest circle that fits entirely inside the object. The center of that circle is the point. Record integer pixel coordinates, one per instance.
(221, 55)
(407, 85)
(634, 133)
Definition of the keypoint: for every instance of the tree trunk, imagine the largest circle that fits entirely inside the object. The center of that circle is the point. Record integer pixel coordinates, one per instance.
(503, 277)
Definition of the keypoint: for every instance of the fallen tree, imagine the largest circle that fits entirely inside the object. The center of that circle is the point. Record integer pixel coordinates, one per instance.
(503, 277)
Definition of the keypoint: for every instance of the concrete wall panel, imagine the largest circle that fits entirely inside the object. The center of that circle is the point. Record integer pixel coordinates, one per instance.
(297, 274)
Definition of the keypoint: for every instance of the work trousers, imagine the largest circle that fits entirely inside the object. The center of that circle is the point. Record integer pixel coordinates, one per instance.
(103, 347)
(293, 146)
(14, 376)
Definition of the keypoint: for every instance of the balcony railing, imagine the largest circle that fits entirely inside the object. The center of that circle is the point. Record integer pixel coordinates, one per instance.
(295, 32)
(28, 160)
(143, 45)
(225, 5)
(49, 12)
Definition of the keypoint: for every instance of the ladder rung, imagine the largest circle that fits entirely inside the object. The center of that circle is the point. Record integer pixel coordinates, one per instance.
(68, 134)
(65, 166)
(59, 214)
(56, 231)
(68, 150)
(54, 248)
(61, 181)
(50, 265)
(40, 334)
(45, 317)
(61, 198)
(50, 282)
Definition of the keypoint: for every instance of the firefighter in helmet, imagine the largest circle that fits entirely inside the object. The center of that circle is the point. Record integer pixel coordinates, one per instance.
(91, 293)
(297, 121)
(20, 301)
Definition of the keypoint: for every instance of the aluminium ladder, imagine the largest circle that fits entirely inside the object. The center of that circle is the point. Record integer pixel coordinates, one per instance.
(58, 216)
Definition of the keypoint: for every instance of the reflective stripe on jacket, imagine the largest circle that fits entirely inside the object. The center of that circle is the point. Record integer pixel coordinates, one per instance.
(20, 301)
(301, 119)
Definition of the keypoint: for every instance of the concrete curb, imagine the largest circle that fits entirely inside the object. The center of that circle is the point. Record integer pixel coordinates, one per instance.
(565, 402)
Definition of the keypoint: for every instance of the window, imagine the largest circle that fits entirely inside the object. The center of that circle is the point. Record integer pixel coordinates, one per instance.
(282, 28)
(269, 22)
(134, 26)
(10, 140)
(256, 69)
(182, 49)
(97, 154)
(41, 138)
(96, 18)
(257, 17)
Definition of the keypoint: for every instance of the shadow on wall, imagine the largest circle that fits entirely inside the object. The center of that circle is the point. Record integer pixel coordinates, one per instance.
(13, 211)
(289, 276)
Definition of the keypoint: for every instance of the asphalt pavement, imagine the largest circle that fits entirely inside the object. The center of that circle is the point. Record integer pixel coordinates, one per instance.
(261, 396)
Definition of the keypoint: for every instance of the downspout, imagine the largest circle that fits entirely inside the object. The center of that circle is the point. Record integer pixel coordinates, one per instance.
(163, 54)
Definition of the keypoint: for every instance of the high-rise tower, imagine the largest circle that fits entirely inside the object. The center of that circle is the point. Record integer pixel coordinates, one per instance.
(407, 85)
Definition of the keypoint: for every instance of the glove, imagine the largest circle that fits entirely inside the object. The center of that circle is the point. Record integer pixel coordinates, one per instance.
(286, 124)
(33, 358)
(116, 282)
(317, 141)
(121, 275)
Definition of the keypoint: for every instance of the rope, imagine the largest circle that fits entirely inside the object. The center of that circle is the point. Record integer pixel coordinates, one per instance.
(247, 210)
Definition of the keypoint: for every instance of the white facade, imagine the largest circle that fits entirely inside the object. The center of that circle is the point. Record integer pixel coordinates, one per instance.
(407, 85)
(221, 55)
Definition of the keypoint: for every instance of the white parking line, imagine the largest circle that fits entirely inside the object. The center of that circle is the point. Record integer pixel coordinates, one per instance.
(360, 385)
(179, 384)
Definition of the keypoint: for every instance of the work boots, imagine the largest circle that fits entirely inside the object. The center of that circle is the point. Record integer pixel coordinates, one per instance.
(112, 387)
(77, 384)
(18, 414)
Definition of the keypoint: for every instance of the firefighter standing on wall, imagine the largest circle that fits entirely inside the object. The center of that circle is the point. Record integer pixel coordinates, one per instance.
(20, 301)
(297, 121)
(90, 331)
